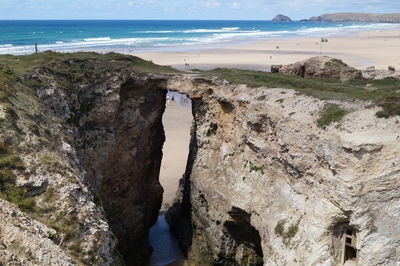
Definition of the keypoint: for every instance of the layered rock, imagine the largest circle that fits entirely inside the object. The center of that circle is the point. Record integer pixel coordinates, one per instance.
(319, 67)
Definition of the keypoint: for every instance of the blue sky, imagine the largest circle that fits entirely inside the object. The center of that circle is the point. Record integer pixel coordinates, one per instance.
(186, 9)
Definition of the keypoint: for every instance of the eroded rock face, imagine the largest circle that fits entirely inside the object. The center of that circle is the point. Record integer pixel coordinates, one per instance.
(89, 148)
(121, 147)
(265, 169)
(118, 140)
(319, 66)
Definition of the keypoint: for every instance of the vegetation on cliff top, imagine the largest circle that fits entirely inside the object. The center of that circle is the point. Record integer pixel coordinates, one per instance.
(331, 113)
(69, 63)
(386, 93)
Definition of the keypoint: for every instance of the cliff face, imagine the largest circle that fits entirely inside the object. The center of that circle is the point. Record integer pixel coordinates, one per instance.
(119, 144)
(270, 186)
(88, 134)
(80, 149)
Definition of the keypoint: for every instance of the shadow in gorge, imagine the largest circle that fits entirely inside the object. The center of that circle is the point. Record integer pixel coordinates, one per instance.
(177, 121)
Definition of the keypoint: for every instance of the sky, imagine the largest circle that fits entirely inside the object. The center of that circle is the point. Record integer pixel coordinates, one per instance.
(187, 9)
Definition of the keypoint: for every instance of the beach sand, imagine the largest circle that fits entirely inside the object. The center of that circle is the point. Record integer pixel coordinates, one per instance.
(177, 121)
(377, 48)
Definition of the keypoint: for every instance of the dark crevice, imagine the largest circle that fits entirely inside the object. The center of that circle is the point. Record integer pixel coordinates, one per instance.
(241, 230)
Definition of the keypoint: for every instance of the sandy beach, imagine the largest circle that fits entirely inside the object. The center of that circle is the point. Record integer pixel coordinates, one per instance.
(177, 121)
(362, 49)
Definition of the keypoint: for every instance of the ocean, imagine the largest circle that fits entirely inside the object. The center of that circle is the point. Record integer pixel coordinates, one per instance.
(19, 37)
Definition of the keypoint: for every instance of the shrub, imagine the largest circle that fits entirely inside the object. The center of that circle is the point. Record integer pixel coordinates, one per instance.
(11, 161)
(292, 231)
(3, 148)
(390, 105)
(96, 198)
(254, 167)
(280, 228)
(286, 235)
(12, 193)
(27, 204)
(5, 177)
(49, 194)
(382, 114)
(47, 159)
(331, 113)
(53, 237)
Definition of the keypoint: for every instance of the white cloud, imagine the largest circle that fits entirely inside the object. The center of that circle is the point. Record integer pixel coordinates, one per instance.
(212, 3)
(236, 5)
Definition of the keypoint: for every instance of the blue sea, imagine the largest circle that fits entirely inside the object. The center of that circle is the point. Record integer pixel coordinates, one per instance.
(19, 37)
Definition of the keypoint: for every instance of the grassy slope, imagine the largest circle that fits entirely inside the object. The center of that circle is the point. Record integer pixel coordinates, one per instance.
(385, 93)
(112, 61)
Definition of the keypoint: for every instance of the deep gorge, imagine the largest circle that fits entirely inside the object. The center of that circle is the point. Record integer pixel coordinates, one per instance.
(264, 184)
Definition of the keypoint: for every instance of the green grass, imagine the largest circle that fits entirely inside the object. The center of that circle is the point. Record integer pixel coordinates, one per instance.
(331, 113)
(27, 204)
(253, 167)
(292, 231)
(9, 191)
(390, 106)
(48, 195)
(96, 198)
(47, 159)
(288, 234)
(386, 94)
(71, 65)
(280, 228)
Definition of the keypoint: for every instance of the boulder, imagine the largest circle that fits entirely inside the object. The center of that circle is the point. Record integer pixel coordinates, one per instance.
(321, 67)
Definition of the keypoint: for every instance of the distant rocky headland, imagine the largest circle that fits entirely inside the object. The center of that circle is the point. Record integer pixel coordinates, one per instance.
(281, 18)
(356, 17)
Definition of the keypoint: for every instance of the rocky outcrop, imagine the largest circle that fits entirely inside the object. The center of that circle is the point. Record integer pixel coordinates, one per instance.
(356, 17)
(370, 73)
(266, 175)
(319, 67)
(281, 18)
